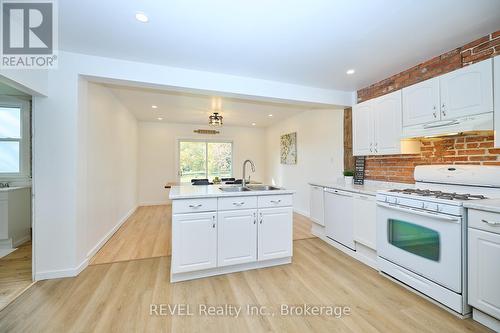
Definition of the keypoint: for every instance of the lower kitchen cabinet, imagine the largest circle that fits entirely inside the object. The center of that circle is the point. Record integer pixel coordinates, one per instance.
(484, 262)
(237, 237)
(365, 220)
(275, 233)
(194, 241)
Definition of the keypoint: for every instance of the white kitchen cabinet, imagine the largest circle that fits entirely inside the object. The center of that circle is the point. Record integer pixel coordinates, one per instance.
(484, 271)
(275, 233)
(377, 127)
(421, 102)
(362, 129)
(365, 220)
(339, 217)
(496, 87)
(194, 241)
(467, 91)
(237, 237)
(317, 207)
(387, 124)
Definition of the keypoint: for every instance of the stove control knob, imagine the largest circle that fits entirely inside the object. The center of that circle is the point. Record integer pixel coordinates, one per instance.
(424, 205)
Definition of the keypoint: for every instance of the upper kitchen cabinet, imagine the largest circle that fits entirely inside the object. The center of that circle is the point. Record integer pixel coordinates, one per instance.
(467, 91)
(362, 128)
(496, 80)
(387, 124)
(377, 127)
(421, 102)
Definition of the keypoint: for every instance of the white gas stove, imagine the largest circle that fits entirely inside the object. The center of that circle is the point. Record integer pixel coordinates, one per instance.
(421, 230)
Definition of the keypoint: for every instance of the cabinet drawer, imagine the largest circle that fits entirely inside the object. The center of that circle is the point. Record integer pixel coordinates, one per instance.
(237, 203)
(275, 200)
(487, 221)
(194, 205)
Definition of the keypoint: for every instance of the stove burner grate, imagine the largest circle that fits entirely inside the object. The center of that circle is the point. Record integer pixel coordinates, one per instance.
(439, 194)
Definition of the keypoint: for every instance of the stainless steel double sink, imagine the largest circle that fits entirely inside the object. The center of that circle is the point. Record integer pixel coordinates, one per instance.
(249, 188)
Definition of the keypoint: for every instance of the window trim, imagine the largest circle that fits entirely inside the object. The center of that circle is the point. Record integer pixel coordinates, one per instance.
(178, 149)
(25, 141)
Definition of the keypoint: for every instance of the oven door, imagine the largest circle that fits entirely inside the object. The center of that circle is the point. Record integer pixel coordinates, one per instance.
(425, 243)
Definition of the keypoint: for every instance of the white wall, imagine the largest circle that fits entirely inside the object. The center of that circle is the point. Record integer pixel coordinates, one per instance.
(158, 155)
(320, 152)
(111, 165)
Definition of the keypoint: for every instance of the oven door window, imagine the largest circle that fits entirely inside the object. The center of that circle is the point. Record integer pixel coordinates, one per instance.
(413, 238)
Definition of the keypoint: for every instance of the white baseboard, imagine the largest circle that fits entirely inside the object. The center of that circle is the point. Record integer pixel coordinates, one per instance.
(155, 203)
(62, 273)
(24, 239)
(301, 212)
(486, 320)
(103, 241)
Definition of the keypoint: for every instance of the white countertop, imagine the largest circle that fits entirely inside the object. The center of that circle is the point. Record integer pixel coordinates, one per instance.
(13, 188)
(490, 205)
(213, 191)
(370, 187)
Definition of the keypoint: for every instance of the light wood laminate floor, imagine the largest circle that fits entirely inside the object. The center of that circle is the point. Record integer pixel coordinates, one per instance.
(147, 234)
(15, 273)
(116, 298)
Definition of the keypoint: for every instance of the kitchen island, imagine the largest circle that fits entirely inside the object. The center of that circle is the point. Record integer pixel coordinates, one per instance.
(223, 229)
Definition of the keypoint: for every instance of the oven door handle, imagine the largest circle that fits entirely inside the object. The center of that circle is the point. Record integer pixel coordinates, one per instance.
(420, 212)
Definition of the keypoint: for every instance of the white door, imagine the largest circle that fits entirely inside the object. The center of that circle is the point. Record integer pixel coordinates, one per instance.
(362, 128)
(194, 242)
(421, 103)
(365, 220)
(496, 79)
(427, 244)
(316, 205)
(467, 91)
(387, 124)
(275, 233)
(339, 215)
(484, 271)
(237, 237)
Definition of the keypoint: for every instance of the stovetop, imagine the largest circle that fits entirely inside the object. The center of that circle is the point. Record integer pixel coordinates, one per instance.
(439, 194)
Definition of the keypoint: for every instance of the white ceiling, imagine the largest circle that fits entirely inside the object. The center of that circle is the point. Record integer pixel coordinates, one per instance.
(176, 107)
(305, 42)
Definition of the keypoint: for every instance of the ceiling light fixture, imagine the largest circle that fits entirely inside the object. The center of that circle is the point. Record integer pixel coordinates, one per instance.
(215, 119)
(154, 106)
(270, 115)
(253, 124)
(350, 71)
(141, 17)
(159, 118)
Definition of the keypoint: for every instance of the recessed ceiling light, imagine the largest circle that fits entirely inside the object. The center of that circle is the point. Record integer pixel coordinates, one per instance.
(350, 71)
(253, 124)
(159, 118)
(270, 115)
(141, 17)
(154, 106)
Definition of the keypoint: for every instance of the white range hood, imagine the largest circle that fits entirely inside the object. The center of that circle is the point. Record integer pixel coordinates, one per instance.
(480, 122)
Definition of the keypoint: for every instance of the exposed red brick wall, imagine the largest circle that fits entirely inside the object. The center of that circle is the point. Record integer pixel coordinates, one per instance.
(469, 149)
(480, 49)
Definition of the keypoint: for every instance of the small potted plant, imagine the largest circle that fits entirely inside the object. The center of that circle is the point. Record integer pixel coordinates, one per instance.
(348, 176)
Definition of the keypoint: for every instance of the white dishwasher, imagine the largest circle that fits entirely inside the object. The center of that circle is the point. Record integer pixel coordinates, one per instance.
(339, 217)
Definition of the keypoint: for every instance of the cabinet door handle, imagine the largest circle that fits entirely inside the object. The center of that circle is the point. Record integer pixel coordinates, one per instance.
(238, 203)
(443, 109)
(493, 223)
(213, 221)
(254, 218)
(195, 206)
(261, 218)
(275, 202)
